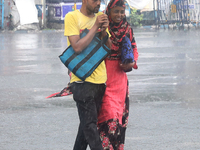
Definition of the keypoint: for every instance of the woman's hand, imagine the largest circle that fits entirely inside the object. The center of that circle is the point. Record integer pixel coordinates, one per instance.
(127, 66)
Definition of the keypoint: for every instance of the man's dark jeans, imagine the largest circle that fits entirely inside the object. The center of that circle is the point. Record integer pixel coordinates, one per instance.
(88, 97)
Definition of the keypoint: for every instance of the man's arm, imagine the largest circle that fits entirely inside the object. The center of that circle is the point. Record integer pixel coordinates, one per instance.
(80, 44)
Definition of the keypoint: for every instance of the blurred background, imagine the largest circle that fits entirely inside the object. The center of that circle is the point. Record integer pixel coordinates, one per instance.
(40, 14)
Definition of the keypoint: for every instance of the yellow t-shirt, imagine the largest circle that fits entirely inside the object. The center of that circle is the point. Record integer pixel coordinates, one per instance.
(75, 23)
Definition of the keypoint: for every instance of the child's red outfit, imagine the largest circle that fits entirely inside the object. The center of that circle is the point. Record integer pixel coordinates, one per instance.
(113, 116)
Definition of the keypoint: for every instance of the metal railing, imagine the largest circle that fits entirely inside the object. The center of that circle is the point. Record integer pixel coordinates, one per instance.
(180, 13)
(195, 12)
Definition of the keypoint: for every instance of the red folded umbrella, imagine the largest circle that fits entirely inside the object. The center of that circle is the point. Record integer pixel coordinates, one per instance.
(66, 91)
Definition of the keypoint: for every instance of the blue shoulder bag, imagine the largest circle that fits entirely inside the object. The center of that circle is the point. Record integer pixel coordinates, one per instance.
(83, 64)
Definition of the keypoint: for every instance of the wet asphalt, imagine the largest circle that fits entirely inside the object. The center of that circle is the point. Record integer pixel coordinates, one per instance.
(164, 92)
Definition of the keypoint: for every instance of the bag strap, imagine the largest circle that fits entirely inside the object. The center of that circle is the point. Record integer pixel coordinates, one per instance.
(103, 44)
(104, 40)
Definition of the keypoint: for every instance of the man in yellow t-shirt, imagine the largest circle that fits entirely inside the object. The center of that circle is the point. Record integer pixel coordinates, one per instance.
(88, 94)
(75, 23)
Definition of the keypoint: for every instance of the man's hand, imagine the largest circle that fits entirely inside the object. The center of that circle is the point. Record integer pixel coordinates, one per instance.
(102, 21)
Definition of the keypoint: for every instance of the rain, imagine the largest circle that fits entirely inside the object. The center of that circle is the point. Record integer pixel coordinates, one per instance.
(164, 91)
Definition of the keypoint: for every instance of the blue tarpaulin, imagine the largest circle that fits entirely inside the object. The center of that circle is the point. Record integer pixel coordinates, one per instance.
(2, 13)
(177, 1)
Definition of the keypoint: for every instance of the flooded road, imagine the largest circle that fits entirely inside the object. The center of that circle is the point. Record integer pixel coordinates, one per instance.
(164, 92)
(169, 67)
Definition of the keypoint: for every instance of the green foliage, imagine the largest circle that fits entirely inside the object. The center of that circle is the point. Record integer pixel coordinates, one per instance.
(135, 18)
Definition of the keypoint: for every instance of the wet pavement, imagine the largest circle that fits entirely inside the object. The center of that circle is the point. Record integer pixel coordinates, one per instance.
(164, 92)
